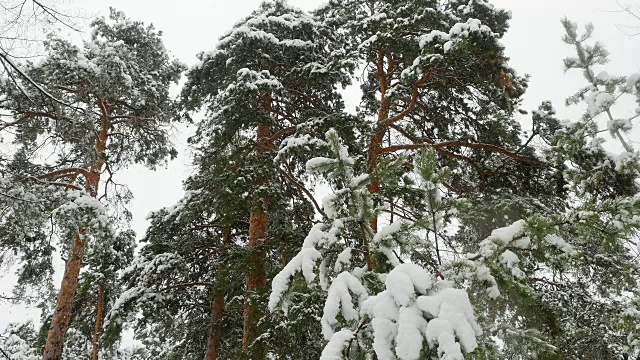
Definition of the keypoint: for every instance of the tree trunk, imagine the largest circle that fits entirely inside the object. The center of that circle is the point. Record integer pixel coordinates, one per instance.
(214, 336)
(374, 185)
(376, 141)
(62, 314)
(98, 329)
(375, 145)
(256, 274)
(256, 280)
(214, 339)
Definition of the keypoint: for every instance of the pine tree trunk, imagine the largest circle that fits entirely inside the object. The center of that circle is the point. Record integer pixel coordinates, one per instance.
(98, 328)
(374, 185)
(375, 145)
(214, 337)
(256, 280)
(376, 141)
(256, 275)
(62, 314)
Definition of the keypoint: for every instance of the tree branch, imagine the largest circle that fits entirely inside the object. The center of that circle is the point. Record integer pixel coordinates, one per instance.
(179, 286)
(414, 100)
(300, 187)
(4, 57)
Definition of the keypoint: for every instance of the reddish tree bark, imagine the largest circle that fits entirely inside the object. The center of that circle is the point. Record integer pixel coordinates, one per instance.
(62, 314)
(376, 141)
(256, 274)
(98, 328)
(214, 336)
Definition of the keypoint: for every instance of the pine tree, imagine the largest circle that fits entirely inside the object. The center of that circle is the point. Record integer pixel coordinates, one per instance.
(436, 77)
(101, 107)
(175, 281)
(516, 269)
(591, 294)
(450, 233)
(267, 81)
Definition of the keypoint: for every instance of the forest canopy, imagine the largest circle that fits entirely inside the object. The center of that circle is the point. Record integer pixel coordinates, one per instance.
(438, 219)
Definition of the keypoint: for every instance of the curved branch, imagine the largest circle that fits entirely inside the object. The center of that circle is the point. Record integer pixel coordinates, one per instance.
(55, 183)
(303, 189)
(414, 100)
(281, 133)
(64, 173)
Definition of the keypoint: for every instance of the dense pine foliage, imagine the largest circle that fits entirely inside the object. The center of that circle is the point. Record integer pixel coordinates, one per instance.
(424, 224)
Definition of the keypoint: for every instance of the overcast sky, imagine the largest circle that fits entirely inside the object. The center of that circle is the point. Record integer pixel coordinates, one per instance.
(533, 44)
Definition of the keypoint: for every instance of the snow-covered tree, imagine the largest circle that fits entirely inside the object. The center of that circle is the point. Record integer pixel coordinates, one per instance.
(525, 244)
(447, 232)
(179, 286)
(592, 296)
(270, 81)
(100, 108)
(435, 75)
(390, 313)
(16, 342)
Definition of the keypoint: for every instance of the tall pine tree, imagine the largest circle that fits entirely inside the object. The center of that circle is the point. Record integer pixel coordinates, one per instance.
(99, 108)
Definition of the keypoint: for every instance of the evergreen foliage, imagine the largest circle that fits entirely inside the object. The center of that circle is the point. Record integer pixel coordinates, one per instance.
(81, 113)
(425, 225)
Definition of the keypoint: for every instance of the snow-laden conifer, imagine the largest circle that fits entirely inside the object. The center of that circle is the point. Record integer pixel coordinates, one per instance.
(414, 306)
(80, 114)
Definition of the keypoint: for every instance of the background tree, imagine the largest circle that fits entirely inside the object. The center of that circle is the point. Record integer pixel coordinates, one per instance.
(601, 177)
(179, 286)
(101, 108)
(25, 24)
(16, 342)
(633, 12)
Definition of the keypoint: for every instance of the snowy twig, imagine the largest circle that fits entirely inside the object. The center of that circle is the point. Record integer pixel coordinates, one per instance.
(355, 335)
(17, 199)
(4, 353)
(179, 286)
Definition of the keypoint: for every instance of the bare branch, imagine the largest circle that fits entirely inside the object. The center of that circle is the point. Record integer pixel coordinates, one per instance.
(56, 15)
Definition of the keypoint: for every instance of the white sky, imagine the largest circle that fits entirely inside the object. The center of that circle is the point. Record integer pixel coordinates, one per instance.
(533, 43)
